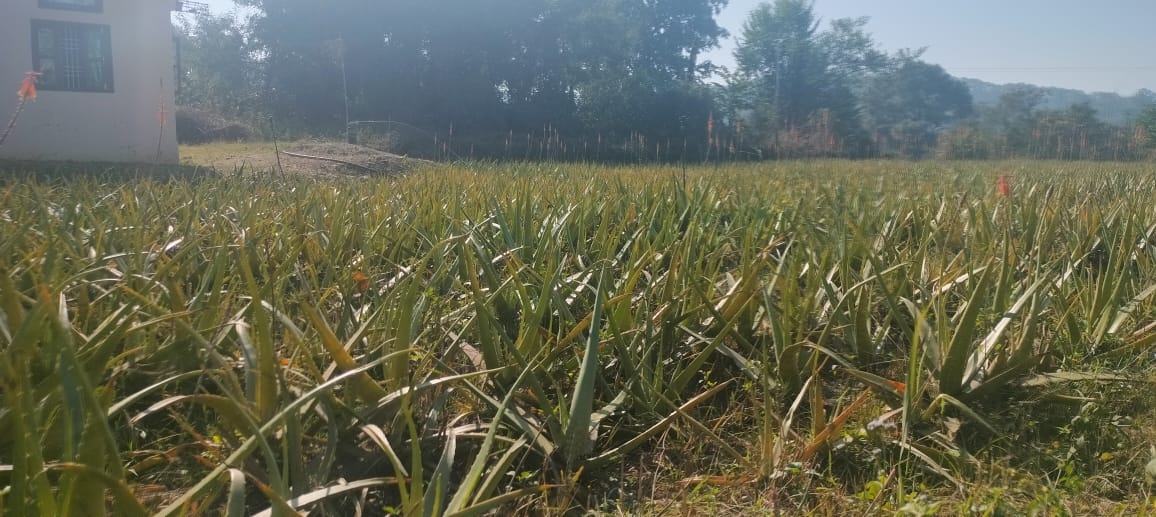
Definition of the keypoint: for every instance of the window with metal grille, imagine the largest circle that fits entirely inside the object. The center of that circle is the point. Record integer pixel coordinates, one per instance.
(73, 5)
(74, 57)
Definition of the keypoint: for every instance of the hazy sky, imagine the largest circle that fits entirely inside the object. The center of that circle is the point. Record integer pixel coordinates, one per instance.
(1105, 45)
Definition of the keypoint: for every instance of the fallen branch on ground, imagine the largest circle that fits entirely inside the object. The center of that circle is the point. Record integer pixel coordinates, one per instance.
(335, 160)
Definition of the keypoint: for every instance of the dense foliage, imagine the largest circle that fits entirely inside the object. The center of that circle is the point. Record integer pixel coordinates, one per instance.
(553, 338)
(614, 80)
(1113, 108)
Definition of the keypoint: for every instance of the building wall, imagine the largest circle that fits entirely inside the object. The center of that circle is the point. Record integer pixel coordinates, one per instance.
(121, 126)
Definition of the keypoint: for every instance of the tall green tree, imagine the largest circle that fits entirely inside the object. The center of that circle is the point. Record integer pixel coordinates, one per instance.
(218, 70)
(779, 51)
(1147, 124)
(852, 54)
(637, 66)
(1013, 120)
(1072, 134)
(795, 79)
(608, 66)
(910, 106)
(431, 63)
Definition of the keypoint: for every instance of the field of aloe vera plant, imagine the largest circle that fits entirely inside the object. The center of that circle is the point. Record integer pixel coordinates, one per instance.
(749, 339)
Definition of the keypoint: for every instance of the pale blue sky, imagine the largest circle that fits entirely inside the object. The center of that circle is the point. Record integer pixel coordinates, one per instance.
(1105, 45)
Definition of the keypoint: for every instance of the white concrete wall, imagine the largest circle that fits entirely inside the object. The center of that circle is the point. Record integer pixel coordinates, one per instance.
(121, 126)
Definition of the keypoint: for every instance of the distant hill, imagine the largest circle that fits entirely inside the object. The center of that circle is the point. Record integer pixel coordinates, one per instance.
(1111, 107)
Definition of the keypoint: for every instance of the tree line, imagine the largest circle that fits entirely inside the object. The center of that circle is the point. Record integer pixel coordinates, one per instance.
(612, 80)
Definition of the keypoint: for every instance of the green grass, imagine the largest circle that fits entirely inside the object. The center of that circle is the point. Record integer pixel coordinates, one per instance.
(822, 337)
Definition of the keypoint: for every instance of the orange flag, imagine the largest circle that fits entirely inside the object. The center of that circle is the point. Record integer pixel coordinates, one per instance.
(360, 281)
(1004, 186)
(28, 85)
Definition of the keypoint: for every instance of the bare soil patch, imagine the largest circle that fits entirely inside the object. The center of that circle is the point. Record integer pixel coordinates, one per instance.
(309, 158)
